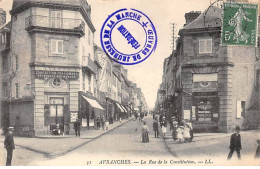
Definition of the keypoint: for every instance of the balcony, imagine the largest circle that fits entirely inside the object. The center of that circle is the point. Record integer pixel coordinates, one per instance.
(37, 23)
(89, 65)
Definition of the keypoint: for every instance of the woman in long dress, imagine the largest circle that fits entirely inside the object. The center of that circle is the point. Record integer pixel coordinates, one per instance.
(145, 133)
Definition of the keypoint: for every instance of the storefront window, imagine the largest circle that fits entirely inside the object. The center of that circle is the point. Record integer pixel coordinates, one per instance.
(204, 109)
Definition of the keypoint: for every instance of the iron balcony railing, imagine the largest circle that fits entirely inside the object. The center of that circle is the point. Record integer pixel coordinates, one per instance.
(38, 21)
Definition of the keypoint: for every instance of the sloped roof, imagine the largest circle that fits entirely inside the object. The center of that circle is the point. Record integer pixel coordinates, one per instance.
(210, 18)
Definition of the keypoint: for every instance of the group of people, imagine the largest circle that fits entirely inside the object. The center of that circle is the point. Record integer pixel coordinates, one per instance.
(182, 131)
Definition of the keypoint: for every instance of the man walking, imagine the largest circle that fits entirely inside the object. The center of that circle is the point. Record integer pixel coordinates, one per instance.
(155, 128)
(77, 127)
(9, 145)
(235, 144)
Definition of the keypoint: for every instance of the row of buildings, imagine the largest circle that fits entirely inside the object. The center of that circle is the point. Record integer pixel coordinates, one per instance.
(215, 87)
(52, 72)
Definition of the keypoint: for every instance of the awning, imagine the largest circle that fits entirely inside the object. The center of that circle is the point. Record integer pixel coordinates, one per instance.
(119, 106)
(124, 108)
(93, 103)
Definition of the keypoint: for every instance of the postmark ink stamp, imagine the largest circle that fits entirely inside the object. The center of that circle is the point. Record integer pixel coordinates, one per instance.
(239, 24)
(128, 36)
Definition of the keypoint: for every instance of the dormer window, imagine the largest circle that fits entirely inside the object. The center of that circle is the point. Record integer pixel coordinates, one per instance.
(205, 46)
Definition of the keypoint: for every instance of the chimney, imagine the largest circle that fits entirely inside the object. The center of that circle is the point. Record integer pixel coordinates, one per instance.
(2, 17)
(191, 16)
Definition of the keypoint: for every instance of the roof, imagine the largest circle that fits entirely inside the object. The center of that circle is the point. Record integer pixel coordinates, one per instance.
(210, 18)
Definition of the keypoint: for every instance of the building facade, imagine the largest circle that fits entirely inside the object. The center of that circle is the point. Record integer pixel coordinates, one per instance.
(214, 85)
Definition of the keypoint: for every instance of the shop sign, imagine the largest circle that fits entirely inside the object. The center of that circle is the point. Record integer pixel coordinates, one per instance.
(186, 115)
(193, 109)
(41, 74)
(73, 116)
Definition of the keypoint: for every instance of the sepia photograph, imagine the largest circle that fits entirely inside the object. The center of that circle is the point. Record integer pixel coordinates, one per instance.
(129, 83)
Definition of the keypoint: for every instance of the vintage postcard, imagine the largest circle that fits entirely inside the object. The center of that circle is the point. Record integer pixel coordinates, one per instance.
(129, 83)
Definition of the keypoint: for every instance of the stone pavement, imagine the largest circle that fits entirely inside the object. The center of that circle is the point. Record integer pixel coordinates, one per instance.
(51, 146)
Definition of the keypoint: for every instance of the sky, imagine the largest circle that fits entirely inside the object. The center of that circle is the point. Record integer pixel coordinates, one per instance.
(147, 74)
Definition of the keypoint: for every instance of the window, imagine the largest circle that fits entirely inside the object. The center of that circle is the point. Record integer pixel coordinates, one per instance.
(56, 47)
(5, 63)
(205, 46)
(16, 90)
(56, 19)
(89, 83)
(5, 89)
(84, 82)
(16, 62)
(4, 37)
(89, 33)
(241, 109)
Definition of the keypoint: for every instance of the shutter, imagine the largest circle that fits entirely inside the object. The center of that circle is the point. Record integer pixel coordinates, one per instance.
(53, 46)
(66, 114)
(201, 46)
(209, 45)
(46, 114)
(60, 46)
(243, 106)
(239, 109)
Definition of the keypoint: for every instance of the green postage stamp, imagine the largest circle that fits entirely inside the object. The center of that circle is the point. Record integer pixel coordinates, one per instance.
(239, 24)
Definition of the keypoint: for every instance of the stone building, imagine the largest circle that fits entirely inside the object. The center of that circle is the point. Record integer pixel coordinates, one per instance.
(5, 34)
(217, 82)
(215, 85)
(52, 52)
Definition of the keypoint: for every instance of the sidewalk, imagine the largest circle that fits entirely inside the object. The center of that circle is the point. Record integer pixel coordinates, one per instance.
(58, 145)
(212, 145)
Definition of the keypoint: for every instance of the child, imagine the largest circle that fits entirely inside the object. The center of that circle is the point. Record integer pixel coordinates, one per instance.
(180, 133)
(186, 133)
(174, 130)
(107, 124)
(235, 144)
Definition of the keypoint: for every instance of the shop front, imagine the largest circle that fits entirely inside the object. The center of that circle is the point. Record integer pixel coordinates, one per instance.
(205, 113)
(90, 110)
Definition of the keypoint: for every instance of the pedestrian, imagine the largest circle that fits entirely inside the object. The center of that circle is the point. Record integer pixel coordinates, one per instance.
(180, 133)
(136, 116)
(257, 153)
(77, 127)
(145, 133)
(9, 145)
(174, 130)
(153, 116)
(155, 128)
(235, 143)
(103, 122)
(98, 123)
(110, 120)
(186, 133)
(106, 125)
(164, 126)
(191, 130)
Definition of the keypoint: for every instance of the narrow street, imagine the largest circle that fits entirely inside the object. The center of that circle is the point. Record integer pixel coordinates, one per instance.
(123, 143)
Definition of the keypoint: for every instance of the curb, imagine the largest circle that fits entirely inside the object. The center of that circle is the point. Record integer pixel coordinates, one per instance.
(92, 139)
(49, 155)
(166, 145)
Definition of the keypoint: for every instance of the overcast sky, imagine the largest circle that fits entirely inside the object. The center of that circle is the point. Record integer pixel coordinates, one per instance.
(148, 74)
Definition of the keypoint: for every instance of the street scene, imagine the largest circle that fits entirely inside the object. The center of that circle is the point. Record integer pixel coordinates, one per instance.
(114, 83)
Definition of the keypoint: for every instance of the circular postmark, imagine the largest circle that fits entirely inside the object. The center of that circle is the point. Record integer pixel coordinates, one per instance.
(128, 36)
